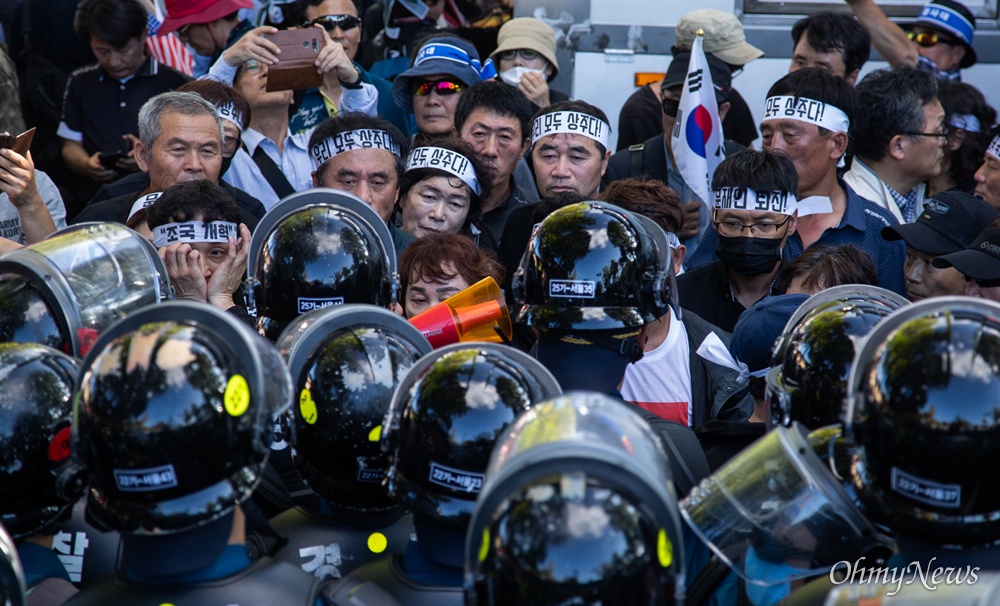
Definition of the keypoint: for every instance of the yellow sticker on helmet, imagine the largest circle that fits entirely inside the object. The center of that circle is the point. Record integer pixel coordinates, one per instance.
(307, 407)
(484, 548)
(377, 542)
(664, 549)
(236, 399)
(376, 434)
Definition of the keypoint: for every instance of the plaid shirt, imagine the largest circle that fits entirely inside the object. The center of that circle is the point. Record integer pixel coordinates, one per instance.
(907, 203)
(926, 65)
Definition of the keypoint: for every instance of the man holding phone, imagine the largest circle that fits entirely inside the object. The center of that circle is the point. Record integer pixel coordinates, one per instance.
(341, 20)
(102, 102)
(274, 161)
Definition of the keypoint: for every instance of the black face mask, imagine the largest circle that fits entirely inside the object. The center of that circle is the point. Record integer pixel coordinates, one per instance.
(749, 256)
(226, 162)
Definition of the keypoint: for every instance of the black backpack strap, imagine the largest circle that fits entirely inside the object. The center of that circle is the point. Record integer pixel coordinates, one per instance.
(272, 173)
(637, 158)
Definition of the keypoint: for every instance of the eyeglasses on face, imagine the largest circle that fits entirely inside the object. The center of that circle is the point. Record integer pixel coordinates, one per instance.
(441, 87)
(946, 130)
(735, 229)
(332, 22)
(230, 145)
(526, 54)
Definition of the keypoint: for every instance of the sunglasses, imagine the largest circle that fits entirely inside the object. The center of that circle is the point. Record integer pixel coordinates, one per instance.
(929, 39)
(983, 283)
(332, 22)
(441, 87)
(670, 106)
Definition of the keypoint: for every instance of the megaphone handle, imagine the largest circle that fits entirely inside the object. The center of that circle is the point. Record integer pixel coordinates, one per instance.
(503, 337)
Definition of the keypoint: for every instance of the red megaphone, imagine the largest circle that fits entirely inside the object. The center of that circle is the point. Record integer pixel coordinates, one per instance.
(469, 315)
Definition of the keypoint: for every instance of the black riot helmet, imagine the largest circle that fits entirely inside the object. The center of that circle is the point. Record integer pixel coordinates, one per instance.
(446, 415)
(87, 277)
(813, 355)
(27, 316)
(38, 480)
(923, 408)
(578, 508)
(12, 584)
(345, 364)
(318, 248)
(593, 266)
(173, 416)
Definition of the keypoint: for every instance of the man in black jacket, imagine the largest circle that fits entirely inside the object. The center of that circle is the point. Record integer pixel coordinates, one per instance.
(685, 374)
(180, 139)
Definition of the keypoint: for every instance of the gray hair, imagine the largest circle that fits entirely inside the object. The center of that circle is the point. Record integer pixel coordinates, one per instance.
(188, 104)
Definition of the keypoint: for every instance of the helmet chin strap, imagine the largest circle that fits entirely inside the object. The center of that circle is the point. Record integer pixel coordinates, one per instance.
(624, 344)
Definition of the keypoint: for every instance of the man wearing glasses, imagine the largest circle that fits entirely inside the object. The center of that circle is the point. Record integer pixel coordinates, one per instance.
(939, 42)
(807, 117)
(444, 68)
(899, 138)
(754, 213)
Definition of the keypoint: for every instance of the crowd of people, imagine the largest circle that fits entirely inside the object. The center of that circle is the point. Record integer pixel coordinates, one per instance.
(237, 356)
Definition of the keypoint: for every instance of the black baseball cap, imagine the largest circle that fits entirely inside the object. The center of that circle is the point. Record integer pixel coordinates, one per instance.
(980, 261)
(949, 223)
(722, 76)
(760, 326)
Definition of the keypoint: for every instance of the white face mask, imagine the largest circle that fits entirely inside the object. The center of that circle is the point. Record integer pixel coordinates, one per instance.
(513, 75)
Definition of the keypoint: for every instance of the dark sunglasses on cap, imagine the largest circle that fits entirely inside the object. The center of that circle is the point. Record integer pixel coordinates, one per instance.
(929, 39)
(332, 22)
(441, 87)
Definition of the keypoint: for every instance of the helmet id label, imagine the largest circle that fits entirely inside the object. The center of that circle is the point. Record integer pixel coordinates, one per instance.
(455, 478)
(146, 480)
(572, 288)
(308, 304)
(371, 475)
(926, 491)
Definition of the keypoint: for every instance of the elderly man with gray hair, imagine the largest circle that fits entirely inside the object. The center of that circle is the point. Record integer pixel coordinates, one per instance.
(180, 139)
